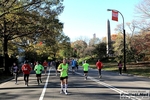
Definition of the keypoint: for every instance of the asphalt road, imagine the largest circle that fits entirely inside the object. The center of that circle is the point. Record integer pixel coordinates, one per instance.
(111, 86)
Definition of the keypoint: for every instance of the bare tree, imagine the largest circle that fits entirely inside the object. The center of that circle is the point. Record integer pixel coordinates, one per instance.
(143, 9)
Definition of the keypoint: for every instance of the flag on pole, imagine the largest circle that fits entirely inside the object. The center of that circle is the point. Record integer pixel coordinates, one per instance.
(114, 15)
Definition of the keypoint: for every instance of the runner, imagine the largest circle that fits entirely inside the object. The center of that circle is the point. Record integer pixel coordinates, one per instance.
(53, 64)
(45, 64)
(99, 66)
(15, 70)
(56, 67)
(63, 68)
(85, 69)
(38, 70)
(73, 65)
(77, 65)
(26, 68)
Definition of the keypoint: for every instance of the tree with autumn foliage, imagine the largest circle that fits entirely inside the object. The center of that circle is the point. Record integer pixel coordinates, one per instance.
(19, 18)
(78, 48)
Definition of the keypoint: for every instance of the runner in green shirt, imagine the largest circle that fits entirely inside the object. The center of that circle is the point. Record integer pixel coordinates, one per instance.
(38, 70)
(85, 69)
(63, 68)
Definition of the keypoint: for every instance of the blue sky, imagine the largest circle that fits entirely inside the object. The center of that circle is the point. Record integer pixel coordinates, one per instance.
(83, 18)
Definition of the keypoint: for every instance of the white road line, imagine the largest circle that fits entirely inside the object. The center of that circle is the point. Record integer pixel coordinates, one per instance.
(109, 86)
(45, 86)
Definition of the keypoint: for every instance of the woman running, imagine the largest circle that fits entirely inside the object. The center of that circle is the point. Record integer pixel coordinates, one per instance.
(15, 70)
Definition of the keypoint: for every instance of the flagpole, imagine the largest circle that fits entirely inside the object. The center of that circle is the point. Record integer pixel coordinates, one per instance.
(124, 37)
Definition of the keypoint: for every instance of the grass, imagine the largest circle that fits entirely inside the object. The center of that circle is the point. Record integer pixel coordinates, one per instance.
(141, 69)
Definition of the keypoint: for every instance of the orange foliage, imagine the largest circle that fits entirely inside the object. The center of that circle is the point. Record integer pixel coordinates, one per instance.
(113, 37)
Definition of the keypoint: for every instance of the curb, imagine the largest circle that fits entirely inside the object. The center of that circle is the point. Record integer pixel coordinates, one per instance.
(5, 80)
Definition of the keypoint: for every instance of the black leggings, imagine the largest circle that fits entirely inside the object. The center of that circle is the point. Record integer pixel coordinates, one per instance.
(120, 70)
(99, 72)
(26, 77)
(15, 76)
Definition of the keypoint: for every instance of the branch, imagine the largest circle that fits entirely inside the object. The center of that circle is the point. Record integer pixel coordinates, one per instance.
(32, 3)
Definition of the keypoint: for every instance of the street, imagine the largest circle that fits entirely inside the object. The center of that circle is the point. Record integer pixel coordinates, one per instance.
(109, 87)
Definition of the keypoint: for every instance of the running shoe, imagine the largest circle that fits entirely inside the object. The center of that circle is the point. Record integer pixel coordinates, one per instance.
(65, 92)
(61, 91)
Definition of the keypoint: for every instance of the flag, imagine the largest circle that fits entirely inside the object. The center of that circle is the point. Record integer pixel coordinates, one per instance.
(114, 15)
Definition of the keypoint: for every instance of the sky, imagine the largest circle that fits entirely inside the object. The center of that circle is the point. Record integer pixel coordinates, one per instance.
(83, 18)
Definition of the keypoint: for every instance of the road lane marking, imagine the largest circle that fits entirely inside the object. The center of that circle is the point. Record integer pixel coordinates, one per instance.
(109, 86)
(45, 86)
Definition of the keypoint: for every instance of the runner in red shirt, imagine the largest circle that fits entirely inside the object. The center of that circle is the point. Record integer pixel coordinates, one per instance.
(26, 69)
(45, 64)
(99, 66)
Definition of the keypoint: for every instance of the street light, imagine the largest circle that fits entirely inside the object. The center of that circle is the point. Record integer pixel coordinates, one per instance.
(124, 37)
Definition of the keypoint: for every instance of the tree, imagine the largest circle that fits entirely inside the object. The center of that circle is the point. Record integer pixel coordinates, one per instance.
(118, 47)
(79, 47)
(100, 50)
(143, 9)
(89, 51)
(25, 17)
(94, 41)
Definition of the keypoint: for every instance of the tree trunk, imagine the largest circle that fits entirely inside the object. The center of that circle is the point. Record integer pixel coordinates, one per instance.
(6, 57)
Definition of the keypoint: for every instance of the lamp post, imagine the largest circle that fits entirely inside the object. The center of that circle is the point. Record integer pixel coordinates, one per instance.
(124, 37)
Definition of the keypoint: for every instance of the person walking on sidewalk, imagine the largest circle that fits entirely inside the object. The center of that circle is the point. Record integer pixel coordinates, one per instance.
(38, 70)
(120, 67)
(26, 69)
(63, 68)
(85, 69)
(99, 66)
(15, 71)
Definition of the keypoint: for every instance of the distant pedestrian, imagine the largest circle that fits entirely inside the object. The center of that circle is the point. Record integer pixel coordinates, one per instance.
(56, 67)
(63, 68)
(45, 64)
(53, 64)
(38, 70)
(120, 67)
(73, 65)
(15, 71)
(99, 66)
(85, 69)
(76, 62)
(26, 69)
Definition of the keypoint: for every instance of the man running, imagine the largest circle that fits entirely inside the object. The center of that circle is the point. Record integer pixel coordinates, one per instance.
(26, 68)
(38, 70)
(63, 68)
(73, 65)
(99, 66)
(45, 64)
(85, 69)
